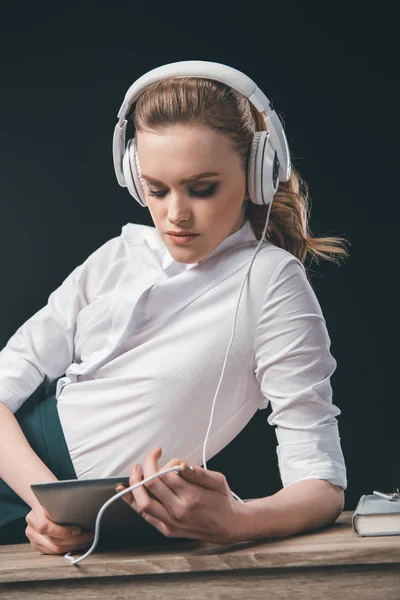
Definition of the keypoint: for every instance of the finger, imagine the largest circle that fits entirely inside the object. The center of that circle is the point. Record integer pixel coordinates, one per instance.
(47, 545)
(212, 480)
(45, 526)
(158, 486)
(81, 541)
(143, 503)
(178, 485)
(128, 497)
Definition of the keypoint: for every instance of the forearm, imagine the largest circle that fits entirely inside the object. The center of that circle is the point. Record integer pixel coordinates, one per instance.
(299, 507)
(19, 464)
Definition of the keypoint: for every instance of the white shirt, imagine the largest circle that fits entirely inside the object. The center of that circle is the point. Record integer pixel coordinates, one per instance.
(142, 340)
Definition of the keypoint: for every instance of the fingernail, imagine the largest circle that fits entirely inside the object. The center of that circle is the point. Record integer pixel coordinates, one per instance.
(76, 531)
(134, 468)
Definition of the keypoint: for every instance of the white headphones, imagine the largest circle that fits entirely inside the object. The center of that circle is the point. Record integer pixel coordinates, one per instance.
(269, 158)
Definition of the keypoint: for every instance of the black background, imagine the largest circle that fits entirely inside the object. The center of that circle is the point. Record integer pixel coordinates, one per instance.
(331, 72)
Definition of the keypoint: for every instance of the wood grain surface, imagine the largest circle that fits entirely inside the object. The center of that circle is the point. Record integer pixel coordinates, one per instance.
(333, 560)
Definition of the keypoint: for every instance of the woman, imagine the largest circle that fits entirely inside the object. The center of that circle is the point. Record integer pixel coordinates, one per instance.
(141, 328)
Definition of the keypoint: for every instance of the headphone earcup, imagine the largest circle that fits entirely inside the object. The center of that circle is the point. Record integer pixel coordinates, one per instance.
(131, 169)
(263, 169)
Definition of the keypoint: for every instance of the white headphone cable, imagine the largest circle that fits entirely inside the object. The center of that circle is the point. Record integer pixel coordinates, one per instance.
(230, 343)
(74, 561)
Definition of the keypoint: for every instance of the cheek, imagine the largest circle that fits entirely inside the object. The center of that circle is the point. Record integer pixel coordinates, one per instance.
(229, 204)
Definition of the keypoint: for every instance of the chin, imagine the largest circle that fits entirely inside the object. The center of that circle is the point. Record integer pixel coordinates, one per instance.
(185, 261)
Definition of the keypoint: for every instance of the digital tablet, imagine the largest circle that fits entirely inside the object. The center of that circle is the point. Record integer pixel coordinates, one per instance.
(78, 501)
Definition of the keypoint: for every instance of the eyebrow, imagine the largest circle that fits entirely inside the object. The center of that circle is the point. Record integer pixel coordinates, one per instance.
(186, 180)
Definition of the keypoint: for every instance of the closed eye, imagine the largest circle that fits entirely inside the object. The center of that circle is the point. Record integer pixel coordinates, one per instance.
(201, 194)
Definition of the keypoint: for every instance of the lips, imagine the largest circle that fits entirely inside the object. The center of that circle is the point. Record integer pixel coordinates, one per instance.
(180, 234)
(183, 234)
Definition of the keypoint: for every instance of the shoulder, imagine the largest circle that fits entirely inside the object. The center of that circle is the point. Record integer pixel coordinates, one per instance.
(136, 233)
(275, 254)
(287, 292)
(114, 252)
(273, 262)
(112, 262)
(117, 247)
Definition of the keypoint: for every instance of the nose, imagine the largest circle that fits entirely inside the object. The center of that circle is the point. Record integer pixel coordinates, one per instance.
(178, 209)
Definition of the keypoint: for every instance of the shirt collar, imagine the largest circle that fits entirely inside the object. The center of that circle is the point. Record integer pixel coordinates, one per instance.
(172, 267)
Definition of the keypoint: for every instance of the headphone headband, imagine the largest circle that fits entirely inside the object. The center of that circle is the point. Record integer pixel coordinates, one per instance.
(197, 68)
(208, 70)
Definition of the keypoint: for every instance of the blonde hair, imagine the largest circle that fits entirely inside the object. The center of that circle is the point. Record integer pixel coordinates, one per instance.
(198, 101)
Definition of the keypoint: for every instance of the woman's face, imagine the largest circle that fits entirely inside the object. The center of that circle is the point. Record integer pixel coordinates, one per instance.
(212, 207)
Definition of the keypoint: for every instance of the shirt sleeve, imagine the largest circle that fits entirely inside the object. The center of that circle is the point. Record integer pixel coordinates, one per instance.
(43, 347)
(293, 366)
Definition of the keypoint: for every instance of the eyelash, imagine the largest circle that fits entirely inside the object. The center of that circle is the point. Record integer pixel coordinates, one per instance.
(203, 194)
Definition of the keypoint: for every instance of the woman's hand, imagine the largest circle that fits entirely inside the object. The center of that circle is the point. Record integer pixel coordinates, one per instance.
(196, 505)
(47, 537)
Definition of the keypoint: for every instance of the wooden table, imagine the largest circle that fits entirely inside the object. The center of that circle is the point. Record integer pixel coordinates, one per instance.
(331, 563)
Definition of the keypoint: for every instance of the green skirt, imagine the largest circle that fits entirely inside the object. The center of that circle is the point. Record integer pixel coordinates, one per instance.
(39, 421)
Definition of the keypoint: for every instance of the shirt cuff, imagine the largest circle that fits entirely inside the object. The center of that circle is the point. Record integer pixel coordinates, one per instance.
(19, 379)
(315, 454)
